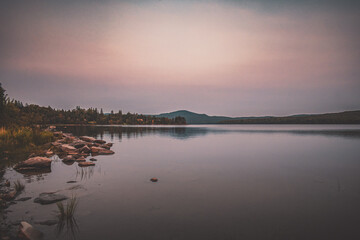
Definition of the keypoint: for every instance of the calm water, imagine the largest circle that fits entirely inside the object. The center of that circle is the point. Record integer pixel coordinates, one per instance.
(215, 182)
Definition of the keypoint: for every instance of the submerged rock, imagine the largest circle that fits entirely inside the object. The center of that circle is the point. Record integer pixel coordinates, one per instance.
(48, 198)
(86, 164)
(34, 163)
(23, 199)
(47, 222)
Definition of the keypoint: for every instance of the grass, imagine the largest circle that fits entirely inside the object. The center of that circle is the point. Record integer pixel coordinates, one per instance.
(19, 186)
(23, 137)
(66, 217)
(66, 212)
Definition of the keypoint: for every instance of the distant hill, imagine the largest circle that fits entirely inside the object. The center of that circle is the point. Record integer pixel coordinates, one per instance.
(348, 117)
(195, 118)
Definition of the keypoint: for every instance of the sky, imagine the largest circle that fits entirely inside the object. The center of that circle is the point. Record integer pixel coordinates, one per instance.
(234, 58)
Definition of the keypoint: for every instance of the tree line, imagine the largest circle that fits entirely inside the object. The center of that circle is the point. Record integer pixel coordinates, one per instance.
(14, 112)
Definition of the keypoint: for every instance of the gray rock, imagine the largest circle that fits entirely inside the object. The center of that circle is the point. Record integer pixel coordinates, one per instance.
(23, 199)
(48, 198)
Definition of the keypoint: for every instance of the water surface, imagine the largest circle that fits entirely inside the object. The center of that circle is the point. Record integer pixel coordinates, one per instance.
(215, 182)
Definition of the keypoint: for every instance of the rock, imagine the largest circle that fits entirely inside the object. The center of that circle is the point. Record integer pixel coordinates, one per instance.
(81, 159)
(71, 181)
(47, 222)
(58, 134)
(109, 144)
(154, 179)
(93, 159)
(86, 164)
(68, 158)
(23, 199)
(7, 183)
(48, 198)
(29, 232)
(87, 139)
(105, 146)
(49, 153)
(67, 148)
(34, 163)
(10, 196)
(101, 151)
(100, 141)
(79, 144)
(85, 149)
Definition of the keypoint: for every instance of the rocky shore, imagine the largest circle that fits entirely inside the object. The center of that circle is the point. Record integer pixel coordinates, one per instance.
(70, 149)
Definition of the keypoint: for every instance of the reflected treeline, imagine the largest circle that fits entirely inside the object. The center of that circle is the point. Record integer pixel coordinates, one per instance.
(186, 132)
(120, 132)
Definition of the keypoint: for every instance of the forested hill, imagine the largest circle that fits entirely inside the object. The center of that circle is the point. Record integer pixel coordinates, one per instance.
(194, 118)
(13, 112)
(348, 117)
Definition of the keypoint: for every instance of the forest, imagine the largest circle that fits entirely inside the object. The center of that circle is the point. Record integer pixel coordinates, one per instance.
(15, 113)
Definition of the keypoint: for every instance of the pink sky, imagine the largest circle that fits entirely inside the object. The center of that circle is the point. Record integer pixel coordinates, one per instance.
(213, 57)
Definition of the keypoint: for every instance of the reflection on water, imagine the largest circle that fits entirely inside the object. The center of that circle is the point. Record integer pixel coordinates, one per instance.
(215, 182)
(185, 132)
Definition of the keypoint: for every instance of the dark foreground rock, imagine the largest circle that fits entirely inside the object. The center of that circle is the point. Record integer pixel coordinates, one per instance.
(48, 198)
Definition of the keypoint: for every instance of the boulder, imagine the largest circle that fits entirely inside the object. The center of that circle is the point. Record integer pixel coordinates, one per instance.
(49, 153)
(85, 149)
(81, 159)
(48, 198)
(100, 141)
(29, 232)
(101, 151)
(68, 158)
(87, 139)
(79, 144)
(86, 164)
(67, 148)
(34, 163)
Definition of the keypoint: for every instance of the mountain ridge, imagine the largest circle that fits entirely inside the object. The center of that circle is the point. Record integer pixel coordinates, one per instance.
(345, 117)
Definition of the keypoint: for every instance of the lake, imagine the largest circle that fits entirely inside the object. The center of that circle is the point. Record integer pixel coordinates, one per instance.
(215, 182)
